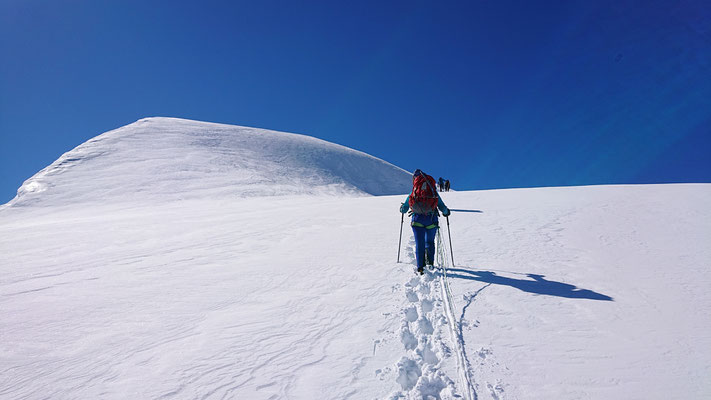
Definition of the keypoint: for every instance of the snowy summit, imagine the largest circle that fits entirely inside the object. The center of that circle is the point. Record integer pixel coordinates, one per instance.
(169, 158)
(175, 259)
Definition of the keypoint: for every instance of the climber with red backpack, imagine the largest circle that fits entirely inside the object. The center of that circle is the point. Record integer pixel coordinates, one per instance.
(424, 202)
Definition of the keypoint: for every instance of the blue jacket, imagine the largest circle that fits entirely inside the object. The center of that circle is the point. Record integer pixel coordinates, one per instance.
(425, 219)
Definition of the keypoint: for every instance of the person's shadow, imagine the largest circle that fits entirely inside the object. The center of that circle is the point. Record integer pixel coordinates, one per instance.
(537, 284)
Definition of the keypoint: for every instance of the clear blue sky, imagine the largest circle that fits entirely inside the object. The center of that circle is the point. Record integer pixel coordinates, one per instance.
(490, 94)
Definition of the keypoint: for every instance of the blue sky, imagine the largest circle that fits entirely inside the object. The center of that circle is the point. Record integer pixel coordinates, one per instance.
(490, 94)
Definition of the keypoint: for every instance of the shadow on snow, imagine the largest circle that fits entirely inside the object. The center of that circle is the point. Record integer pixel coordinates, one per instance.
(537, 284)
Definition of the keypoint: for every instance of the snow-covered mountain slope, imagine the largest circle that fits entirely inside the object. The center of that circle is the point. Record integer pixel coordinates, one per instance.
(594, 292)
(169, 158)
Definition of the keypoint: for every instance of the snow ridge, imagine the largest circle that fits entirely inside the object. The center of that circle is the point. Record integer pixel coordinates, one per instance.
(159, 159)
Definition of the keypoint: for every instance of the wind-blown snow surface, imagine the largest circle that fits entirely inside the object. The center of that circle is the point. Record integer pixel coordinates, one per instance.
(203, 292)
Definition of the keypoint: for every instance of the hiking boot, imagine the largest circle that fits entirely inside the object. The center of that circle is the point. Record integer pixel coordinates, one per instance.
(420, 270)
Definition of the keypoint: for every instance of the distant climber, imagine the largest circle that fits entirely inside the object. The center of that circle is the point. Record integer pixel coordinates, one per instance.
(441, 184)
(446, 185)
(424, 202)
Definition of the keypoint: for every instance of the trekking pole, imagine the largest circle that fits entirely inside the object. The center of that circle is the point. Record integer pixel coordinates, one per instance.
(449, 233)
(402, 219)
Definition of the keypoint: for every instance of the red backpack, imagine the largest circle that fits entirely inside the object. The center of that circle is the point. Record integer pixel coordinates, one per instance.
(424, 198)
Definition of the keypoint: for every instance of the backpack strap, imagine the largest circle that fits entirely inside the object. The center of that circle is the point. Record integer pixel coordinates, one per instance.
(434, 191)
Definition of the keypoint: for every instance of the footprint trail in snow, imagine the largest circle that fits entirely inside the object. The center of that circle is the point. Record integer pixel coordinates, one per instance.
(422, 371)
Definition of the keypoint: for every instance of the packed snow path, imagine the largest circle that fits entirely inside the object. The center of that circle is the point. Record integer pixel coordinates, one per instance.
(422, 371)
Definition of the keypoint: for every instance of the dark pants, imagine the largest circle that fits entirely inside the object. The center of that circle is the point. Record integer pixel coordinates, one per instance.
(424, 243)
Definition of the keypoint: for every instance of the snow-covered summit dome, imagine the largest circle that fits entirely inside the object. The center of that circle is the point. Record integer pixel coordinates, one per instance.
(170, 158)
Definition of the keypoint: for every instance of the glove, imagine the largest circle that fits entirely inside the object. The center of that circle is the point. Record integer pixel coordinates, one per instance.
(404, 207)
(446, 212)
